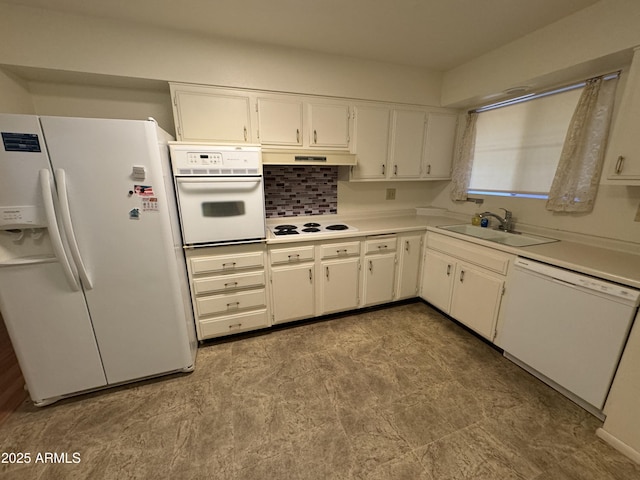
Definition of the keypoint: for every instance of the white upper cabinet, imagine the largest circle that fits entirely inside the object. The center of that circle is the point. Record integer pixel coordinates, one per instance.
(402, 143)
(390, 141)
(203, 114)
(439, 145)
(407, 143)
(280, 121)
(371, 142)
(329, 125)
(623, 152)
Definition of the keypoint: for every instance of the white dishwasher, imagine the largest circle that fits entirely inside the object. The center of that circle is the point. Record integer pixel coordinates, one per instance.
(566, 328)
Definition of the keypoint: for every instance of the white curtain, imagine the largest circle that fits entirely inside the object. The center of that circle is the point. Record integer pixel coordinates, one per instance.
(575, 184)
(463, 162)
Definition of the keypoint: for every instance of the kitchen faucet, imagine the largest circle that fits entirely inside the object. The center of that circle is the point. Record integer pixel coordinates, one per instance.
(506, 223)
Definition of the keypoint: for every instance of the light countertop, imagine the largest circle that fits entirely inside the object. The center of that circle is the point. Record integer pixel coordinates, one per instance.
(613, 265)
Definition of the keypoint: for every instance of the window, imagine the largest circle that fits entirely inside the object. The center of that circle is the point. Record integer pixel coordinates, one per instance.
(518, 144)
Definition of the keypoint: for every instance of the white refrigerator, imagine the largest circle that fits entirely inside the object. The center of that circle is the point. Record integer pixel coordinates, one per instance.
(93, 285)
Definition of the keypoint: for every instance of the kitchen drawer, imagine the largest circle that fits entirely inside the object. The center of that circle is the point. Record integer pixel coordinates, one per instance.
(227, 263)
(230, 324)
(483, 256)
(292, 255)
(234, 281)
(231, 302)
(381, 244)
(337, 250)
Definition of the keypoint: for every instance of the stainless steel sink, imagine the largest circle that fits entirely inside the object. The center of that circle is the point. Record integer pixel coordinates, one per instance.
(513, 239)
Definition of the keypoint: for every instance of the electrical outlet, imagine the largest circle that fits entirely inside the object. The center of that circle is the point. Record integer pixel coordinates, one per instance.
(391, 193)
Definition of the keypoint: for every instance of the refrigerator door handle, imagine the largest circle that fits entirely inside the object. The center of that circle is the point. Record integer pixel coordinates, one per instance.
(54, 232)
(65, 214)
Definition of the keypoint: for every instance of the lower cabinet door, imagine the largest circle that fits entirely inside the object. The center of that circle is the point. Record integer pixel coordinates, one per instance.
(379, 277)
(340, 285)
(476, 299)
(292, 292)
(437, 280)
(410, 255)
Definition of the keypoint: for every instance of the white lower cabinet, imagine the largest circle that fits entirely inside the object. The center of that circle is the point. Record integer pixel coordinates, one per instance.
(379, 269)
(475, 300)
(228, 289)
(339, 276)
(293, 286)
(409, 263)
(465, 280)
(340, 285)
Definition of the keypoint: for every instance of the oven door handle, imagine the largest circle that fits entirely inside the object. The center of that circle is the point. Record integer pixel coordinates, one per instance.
(190, 185)
(217, 179)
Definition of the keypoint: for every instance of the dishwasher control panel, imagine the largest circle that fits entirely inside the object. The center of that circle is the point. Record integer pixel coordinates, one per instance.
(580, 280)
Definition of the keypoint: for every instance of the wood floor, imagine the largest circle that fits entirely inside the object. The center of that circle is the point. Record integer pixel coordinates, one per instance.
(395, 393)
(12, 391)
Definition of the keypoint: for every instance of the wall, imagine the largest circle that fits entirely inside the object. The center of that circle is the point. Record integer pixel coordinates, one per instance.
(592, 40)
(363, 197)
(582, 44)
(102, 101)
(81, 44)
(14, 94)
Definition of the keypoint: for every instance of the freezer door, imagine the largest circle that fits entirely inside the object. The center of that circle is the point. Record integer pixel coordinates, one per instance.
(50, 331)
(123, 231)
(22, 155)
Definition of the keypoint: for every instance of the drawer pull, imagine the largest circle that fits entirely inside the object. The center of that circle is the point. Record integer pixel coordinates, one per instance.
(229, 265)
(343, 251)
(235, 325)
(380, 247)
(295, 256)
(230, 284)
(233, 304)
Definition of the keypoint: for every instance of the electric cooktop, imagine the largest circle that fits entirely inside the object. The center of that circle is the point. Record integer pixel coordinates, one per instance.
(310, 228)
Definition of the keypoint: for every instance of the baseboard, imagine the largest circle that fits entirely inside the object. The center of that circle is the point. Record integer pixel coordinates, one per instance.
(619, 445)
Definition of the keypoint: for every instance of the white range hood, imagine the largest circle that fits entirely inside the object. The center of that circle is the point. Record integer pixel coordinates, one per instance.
(307, 157)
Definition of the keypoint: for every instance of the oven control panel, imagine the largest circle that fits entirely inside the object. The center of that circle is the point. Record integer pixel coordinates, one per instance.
(213, 160)
(195, 158)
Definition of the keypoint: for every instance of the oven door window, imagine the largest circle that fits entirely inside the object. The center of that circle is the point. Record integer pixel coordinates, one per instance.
(223, 209)
(217, 209)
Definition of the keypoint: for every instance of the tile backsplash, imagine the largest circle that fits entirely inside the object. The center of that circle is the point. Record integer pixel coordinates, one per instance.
(300, 190)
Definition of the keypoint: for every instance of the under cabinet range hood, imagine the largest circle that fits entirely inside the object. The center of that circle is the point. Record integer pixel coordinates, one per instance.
(307, 157)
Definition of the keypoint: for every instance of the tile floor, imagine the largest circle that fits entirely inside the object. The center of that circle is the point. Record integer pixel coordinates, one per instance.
(395, 393)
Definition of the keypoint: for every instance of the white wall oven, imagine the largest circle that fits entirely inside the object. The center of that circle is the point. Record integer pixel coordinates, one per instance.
(220, 193)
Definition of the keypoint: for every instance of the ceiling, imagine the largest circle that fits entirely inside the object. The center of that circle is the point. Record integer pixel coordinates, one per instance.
(434, 34)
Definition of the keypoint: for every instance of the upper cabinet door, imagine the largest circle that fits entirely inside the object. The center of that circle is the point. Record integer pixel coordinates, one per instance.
(371, 142)
(441, 135)
(210, 117)
(280, 121)
(329, 125)
(623, 152)
(407, 143)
